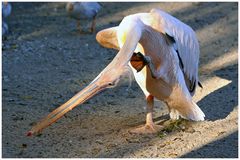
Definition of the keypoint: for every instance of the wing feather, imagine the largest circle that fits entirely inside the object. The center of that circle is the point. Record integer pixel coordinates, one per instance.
(186, 43)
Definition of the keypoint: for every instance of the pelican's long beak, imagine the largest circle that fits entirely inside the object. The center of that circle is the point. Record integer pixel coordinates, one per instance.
(88, 92)
(119, 62)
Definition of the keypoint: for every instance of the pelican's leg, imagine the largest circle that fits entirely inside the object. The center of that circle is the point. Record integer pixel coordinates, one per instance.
(93, 26)
(79, 27)
(149, 127)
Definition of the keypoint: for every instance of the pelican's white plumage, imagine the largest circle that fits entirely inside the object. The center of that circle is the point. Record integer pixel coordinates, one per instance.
(163, 54)
(6, 11)
(83, 11)
(186, 42)
(4, 28)
(149, 33)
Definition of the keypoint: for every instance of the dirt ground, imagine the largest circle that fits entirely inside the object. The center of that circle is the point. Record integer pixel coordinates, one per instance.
(45, 62)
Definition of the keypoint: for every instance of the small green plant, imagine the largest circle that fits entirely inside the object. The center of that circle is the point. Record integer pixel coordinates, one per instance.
(171, 126)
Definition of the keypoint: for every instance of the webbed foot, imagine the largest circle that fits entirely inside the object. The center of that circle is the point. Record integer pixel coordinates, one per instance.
(147, 129)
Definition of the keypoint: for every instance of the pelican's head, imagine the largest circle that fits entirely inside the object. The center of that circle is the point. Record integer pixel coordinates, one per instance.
(112, 74)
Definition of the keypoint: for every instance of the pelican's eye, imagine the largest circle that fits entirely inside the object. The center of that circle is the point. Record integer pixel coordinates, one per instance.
(111, 84)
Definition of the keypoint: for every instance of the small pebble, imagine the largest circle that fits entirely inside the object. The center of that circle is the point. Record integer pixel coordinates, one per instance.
(24, 145)
(131, 140)
(99, 141)
(226, 50)
(190, 130)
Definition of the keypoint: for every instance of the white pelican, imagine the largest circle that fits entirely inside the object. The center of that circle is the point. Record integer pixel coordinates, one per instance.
(4, 28)
(163, 53)
(6, 11)
(83, 10)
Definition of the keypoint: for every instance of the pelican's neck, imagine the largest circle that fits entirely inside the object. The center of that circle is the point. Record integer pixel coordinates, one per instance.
(128, 41)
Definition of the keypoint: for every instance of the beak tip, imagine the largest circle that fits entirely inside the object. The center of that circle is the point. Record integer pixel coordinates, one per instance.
(30, 133)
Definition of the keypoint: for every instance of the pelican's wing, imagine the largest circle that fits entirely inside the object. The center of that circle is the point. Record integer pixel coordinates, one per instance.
(186, 44)
(92, 8)
(108, 38)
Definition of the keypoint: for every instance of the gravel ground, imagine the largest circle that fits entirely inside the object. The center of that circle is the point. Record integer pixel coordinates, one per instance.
(45, 62)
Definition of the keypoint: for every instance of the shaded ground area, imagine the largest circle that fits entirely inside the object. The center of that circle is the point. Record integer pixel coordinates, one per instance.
(45, 62)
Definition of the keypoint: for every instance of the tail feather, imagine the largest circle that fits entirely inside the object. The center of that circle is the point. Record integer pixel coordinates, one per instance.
(195, 114)
(189, 111)
(183, 103)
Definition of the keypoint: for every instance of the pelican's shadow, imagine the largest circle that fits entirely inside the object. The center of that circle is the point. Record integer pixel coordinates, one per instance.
(218, 104)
